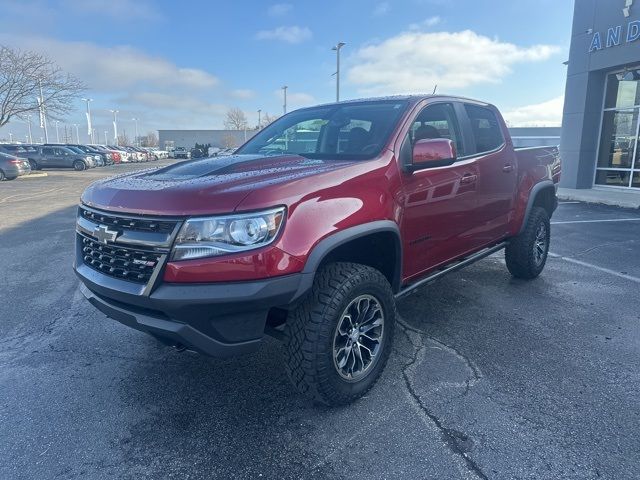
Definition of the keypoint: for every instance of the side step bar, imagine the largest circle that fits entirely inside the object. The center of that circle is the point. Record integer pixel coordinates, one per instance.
(451, 268)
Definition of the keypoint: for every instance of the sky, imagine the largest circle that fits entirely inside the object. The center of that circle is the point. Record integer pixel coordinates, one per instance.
(184, 64)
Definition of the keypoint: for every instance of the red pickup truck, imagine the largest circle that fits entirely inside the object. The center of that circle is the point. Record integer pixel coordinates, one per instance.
(313, 229)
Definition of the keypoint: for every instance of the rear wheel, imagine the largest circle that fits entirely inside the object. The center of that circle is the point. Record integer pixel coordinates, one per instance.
(339, 339)
(79, 166)
(34, 165)
(526, 254)
(2, 175)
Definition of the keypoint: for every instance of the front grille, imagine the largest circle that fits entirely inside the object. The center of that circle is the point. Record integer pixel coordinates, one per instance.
(133, 264)
(129, 223)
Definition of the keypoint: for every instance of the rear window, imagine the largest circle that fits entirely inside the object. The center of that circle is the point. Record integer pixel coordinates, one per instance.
(486, 128)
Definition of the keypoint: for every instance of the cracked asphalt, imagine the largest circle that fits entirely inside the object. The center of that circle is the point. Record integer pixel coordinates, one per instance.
(490, 377)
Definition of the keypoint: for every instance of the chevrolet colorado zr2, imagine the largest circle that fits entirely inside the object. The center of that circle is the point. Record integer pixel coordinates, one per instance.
(312, 230)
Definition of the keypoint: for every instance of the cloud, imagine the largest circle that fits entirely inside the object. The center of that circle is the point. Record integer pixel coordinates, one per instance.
(296, 99)
(416, 61)
(243, 94)
(293, 34)
(428, 23)
(279, 9)
(547, 114)
(126, 10)
(381, 9)
(113, 68)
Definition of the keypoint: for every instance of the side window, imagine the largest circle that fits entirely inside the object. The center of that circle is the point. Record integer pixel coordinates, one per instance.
(47, 151)
(485, 128)
(438, 121)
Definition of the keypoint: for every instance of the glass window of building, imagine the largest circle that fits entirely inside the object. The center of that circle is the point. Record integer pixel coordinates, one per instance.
(618, 164)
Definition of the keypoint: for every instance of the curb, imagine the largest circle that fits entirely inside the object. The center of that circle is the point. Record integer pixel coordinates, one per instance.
(34, 175)
(613, 202)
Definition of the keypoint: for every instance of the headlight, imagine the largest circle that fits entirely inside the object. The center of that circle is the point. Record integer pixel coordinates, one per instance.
(213, 236)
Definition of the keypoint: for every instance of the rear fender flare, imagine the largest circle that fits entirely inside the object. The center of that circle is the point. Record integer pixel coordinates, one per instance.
(537, 188)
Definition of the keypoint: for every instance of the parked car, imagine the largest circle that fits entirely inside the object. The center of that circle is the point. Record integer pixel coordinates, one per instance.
(115, 155)
(12, 167)
(105, 158)
(181, 152)
(59, 157)
(124, 154)
(20, 150)
(311, 240)
(96, 160)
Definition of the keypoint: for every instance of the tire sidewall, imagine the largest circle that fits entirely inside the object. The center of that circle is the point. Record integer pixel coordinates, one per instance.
(79, 169)
(541, 217)
(2, 176)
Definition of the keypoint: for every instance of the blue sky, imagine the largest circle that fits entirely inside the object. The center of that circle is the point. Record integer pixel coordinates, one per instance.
(183, 64)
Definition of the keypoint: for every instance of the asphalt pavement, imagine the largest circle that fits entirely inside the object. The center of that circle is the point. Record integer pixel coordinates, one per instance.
(490, 377)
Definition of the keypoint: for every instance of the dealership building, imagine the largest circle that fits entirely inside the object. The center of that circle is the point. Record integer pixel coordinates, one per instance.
(600, 127)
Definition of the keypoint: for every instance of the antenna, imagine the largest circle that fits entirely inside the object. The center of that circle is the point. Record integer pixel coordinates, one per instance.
(435, 89)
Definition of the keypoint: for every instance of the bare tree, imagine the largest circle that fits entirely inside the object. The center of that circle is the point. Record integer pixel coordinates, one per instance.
(123, 139)
(149, 140)
(235, 120)
(268, 119)
(23, 74)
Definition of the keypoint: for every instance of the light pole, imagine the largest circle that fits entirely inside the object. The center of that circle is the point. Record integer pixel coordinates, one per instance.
(43, 112)
(11, 137)
(115, 125)
(77, 133)
(29, 123)
(106, 141)
(135, 141)
(337, 74)
(284, 106)
(89, 128)
(57, 132)
(94, 134)
(259, 118)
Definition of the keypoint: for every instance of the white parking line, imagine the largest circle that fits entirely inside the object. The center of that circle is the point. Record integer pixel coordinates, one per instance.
(595, 267)
(598, 221)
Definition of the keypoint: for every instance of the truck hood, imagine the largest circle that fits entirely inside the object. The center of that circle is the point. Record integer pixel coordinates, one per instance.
(201, 187)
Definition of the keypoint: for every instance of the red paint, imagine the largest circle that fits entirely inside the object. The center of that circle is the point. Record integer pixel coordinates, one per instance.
(442, 212)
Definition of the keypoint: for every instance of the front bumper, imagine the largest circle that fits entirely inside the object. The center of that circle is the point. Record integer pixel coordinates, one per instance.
(219, 320)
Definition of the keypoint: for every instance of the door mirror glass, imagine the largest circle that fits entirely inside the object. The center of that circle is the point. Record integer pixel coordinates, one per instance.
(430, 153)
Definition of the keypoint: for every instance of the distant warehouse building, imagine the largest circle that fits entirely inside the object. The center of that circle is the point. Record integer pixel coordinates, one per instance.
(600, 126)
(170, 139)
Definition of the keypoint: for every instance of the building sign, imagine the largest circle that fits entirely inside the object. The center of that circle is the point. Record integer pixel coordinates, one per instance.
(615, 36)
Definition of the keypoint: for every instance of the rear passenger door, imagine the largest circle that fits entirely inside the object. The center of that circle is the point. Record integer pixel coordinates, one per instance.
(497, 170)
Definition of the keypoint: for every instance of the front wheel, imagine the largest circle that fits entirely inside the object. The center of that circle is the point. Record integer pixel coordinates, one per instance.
(79, 166)
(527, 253)
(339, 339)
(34, 165)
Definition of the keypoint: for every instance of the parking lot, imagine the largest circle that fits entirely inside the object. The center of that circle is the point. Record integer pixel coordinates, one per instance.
(490, 377)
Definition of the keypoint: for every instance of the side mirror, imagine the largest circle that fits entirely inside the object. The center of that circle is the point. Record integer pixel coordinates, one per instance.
(431, 153)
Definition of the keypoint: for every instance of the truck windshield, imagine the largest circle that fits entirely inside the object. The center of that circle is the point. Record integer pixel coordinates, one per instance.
(348, 131)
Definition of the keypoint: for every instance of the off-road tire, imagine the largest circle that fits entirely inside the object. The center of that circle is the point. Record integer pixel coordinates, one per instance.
(310, 329)
(520, 254)
(79, 166)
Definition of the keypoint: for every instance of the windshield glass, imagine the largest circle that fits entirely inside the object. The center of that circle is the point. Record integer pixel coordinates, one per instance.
(349, 131)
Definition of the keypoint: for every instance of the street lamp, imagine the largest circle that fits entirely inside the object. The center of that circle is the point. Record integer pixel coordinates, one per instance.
(259, 118)
(115, 125)
(337, 74)
(57, 132)
(136, 142)
(106, 141)
(29, 123)
(284, 106)
(89, 128)
(10, 137)
(77, 133)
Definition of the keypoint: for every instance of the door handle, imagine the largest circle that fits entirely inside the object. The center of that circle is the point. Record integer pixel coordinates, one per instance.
(507, 168)
(468, 178)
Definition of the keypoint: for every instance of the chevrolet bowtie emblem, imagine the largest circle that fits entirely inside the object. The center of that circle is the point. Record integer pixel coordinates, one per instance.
(104, 235)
